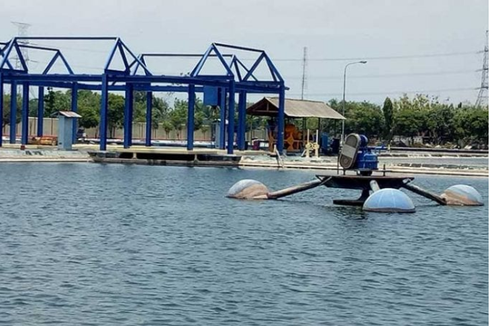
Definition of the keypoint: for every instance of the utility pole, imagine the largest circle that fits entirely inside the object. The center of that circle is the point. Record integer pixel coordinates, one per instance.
(482, 100)
(303, 80)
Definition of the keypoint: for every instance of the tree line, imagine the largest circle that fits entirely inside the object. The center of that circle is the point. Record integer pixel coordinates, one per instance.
(439, 123)
(425, 116)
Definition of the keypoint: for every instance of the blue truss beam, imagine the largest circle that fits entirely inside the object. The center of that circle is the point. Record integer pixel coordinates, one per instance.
(25, 113)
(74, 108)
(40, 111)
(13, 112)
(237, 78)
(231, 117)
(149, 125)
(191, 103)
(1, 108)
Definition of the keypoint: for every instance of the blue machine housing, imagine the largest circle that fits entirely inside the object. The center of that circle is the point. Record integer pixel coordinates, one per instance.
(366, 158)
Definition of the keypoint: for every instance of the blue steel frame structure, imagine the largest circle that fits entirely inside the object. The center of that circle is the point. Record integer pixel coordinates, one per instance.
(237, 78)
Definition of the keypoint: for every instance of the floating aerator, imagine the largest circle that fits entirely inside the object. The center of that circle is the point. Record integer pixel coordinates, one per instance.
(248, 189)
(462, 195)
(389, 200)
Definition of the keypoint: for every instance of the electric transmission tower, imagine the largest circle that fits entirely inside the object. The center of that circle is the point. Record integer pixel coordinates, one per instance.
(482, 99)
(22, 32)
(305, 65)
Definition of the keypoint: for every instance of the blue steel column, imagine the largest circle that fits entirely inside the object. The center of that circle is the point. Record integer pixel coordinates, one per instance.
(13, 111)
(149, 99)
(103, 114)
(74, 108)
(242, 107)
(128, 116)
(40, 111)
(1, 109)
(222, 116)
(190, 117)
(25, 113)
(280, 119)
(231, 117)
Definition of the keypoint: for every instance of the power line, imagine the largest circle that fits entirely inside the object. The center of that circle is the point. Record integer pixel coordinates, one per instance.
(431, 73)
(396, 92)
(395, 57)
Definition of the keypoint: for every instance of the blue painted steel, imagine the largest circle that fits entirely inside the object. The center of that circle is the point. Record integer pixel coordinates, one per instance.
(231, 117)
(254, 66)
(234, 64)
(229, 82)
(271, 67)
(201, 62)
(13, 112)
(103, 114)
(242, 111)
(74, 108)
(25, 113)
(280, 119)
(149, 100)
(67, 65)
(195, 72)
(222, 116)
(66, 38)
(210, 95)
(111, 56)
(40, 111)
(6, 54)
(51, 63)
(366, 158)
(128, 116)
(1, 109)
(246, 69)
(236, 47)
(123, 56)
(147, 72)
(20, 57)
(190, 117)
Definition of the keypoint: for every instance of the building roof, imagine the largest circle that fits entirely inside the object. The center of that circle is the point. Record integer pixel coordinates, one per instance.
(269, 106)
(69, 114)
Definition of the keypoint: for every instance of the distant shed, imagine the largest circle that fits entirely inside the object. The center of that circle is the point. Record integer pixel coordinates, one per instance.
(269, 106)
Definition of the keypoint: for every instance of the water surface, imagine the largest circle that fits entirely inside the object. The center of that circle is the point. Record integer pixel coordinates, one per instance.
(89, 244)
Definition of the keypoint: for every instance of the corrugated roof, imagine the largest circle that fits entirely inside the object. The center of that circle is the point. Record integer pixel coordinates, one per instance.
(269, 106)
(69, 114)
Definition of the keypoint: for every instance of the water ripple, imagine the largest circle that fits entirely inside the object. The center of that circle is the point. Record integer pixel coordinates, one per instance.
(87, 244)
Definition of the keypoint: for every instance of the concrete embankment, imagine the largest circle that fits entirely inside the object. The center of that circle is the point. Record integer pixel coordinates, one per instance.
(456, 164)
(41, 155)
(428, 166)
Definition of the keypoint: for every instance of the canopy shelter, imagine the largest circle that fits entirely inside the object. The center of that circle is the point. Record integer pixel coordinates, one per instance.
(293, 108)
(229, 77)
(269, 106)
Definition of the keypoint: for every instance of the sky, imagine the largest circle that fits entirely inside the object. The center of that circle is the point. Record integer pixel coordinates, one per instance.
(412, 46)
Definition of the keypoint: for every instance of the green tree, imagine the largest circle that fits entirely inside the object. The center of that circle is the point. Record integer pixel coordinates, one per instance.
(363, 118)
(56, 101)
(115, 113)
(440, 124)
(388, 119)
(178, 116)
(6, 110)
(89, 108)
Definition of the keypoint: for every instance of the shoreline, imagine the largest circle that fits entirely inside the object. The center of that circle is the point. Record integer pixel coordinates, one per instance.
(249, 161)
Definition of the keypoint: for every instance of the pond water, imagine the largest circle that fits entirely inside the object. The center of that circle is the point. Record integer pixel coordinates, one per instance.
(89, 244)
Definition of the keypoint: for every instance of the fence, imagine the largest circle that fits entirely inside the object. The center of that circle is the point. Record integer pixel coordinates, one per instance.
(50, 128)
